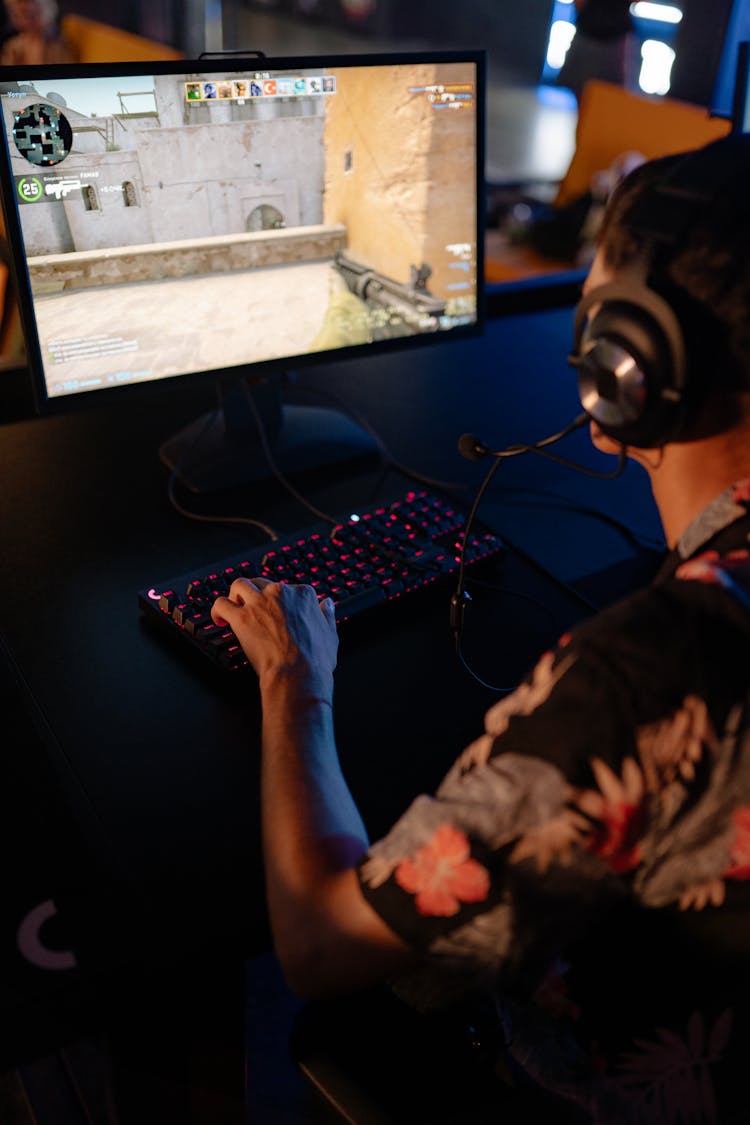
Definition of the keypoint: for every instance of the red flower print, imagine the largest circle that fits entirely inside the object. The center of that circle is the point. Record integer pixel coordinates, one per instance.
(617, 841)
(621, 813)
(703, 568)
(709, 567)
(741, 491)
(442, 875)
(739, 855)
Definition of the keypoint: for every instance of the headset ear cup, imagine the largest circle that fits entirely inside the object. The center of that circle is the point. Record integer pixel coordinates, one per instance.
(631, 366)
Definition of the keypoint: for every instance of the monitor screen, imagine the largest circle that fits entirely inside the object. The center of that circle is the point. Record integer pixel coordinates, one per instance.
(741, 110)
(736, 31)
(175, 219)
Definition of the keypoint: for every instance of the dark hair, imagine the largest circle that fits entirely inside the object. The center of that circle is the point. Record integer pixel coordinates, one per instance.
(708, 267)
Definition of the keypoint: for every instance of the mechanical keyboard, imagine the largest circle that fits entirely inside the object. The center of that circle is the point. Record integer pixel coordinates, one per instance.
(367, 560)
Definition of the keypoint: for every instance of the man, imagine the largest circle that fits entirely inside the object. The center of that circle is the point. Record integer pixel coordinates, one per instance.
(603, 46)
(34, 35)
(604, 815)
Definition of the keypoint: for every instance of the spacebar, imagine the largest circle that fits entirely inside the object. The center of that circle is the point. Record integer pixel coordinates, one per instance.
(365, 599)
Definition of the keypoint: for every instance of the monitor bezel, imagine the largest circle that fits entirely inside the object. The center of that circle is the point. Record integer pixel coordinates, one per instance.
(218, 63)
(741, 97)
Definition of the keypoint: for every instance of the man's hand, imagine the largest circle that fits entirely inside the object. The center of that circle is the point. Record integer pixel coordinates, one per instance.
(284, 630)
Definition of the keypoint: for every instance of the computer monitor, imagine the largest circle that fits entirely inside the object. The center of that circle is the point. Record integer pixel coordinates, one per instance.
(741, 107)
(237, 218)
(736, 31)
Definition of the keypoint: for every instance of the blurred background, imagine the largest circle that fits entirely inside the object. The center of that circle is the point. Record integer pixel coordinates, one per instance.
(531, 120)
(554, 147)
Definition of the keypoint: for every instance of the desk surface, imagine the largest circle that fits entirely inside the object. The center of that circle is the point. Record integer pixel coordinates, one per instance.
(157, 757)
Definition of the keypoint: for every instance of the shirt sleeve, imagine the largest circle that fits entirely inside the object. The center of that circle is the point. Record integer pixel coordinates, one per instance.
(567, 803)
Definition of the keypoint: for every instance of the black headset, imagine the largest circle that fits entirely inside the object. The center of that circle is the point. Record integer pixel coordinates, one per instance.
(638, 378)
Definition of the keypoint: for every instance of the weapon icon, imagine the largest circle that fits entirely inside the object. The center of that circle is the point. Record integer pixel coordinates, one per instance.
(62, 188)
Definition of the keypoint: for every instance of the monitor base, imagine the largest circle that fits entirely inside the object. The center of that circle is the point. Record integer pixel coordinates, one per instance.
(207, 456)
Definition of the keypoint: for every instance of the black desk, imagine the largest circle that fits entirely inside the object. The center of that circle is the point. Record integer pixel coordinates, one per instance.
(154, 759)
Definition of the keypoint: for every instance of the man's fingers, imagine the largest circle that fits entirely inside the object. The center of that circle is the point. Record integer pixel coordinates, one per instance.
(219, 608)
(241, 592)
(328, 609)
(244, 588)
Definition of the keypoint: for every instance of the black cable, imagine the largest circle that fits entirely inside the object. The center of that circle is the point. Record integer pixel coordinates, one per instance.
(283, 481)
(460, 597)
(569, 504)
(74, 1085)
(484, 584)
(457, 489)
(200, 517)
(287, 484)
(472, 448)
(512, 451)
(183, 511)
(385, 453)
(336, 523)
(515, 594)
(479, 680)
(452, 487)
(621, 461)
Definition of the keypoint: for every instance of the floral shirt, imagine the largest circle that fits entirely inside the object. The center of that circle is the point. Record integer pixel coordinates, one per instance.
(587, 859)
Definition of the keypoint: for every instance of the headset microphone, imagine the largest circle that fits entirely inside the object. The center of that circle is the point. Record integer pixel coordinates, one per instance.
(470, 447)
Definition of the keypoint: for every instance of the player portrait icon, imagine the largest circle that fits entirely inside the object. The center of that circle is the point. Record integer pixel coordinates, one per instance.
(241, 88)
(314, 85)
(193, 91)
(329, 84)
(209, 89)
(256, 90)
(300, 86)
(225, 89)
(42, 134)
(269, 87)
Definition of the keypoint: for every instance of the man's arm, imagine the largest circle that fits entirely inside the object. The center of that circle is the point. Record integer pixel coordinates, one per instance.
(326, 935)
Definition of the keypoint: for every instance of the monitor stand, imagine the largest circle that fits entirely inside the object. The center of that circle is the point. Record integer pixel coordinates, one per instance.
(225, 448)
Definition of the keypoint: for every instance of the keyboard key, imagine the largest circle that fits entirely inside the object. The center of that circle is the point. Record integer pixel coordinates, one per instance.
(378, 559)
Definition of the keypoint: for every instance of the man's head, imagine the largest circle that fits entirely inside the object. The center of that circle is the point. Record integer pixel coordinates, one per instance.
(674, 242)
(31, 17)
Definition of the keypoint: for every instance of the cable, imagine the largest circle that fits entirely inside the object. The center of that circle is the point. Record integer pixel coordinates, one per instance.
(269, 531)
(336, 523)
(484, 584)
(392, 462)
(455, 487)
(74, 1085)
(621, 461)
(472, 448)
(283, 481)
(183, 511)
(567, 503)
(479, 680)
(458, 601)
(513, 593)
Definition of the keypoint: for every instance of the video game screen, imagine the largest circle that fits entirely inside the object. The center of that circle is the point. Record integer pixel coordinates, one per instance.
(182, 222)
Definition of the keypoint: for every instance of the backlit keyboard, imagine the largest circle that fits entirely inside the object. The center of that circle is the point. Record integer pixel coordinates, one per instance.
(368, 560)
